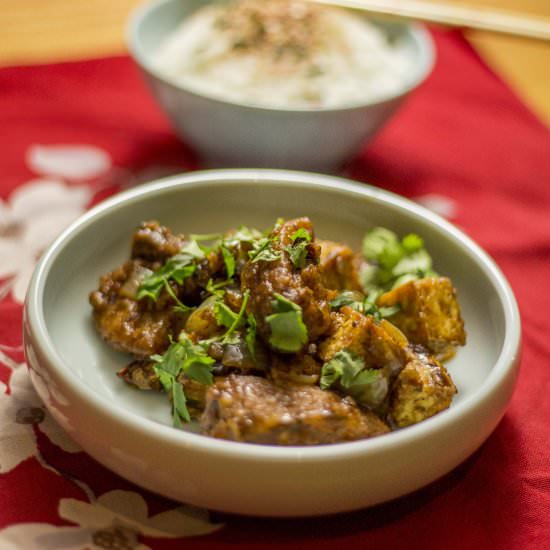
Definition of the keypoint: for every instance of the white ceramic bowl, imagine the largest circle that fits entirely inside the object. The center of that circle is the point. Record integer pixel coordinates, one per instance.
(231, 134)
(130, 432)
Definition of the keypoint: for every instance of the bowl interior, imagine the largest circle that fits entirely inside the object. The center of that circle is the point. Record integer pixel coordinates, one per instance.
(340, 211)
(153, 22)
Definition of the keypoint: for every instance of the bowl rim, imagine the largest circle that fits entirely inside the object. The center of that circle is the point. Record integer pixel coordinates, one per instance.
(417, 32)
(503, 367)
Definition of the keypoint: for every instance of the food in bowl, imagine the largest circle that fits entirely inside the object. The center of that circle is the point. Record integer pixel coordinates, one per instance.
(280, 338)
(282, 53)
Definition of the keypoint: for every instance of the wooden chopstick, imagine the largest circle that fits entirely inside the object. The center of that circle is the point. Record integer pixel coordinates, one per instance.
(451, 15)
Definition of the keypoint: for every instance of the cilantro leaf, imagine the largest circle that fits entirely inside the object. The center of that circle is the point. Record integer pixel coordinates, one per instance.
(342, 368)
(376, 241)
(366, 305)
(330, 374)
(262, 250)
(394, 261)
(417, 262)
(205, 237)
(298, 250)
(348, 373)
(177, 268)
(298, 254)
(239, 319)
(179, 406)
(185, 357)
(288, 331)
(216, 289)
(242, 235)
(192, 251)
(301, 234)
(412, 242)
(224, 315)
(348, 298)
(250, 337)
(370, 387)
(229, 260)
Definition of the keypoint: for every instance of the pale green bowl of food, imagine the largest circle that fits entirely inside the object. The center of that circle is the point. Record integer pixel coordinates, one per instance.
(297, 87)
(300, 391)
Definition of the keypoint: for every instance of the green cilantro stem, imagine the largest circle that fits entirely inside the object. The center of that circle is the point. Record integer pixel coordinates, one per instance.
(180, 305)
(237, 320)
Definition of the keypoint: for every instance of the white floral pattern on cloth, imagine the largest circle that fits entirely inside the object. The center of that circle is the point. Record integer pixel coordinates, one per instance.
(69, 162)
(30, 219)
(40, 209)
(20, 410)
(36, 213)
(114, 521)
(440, 204)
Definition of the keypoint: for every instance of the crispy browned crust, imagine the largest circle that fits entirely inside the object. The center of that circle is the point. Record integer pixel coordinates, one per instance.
(137, 327)
(255, 410)
(429, 314)
(340, 266)
(364, 337)
(423, 388)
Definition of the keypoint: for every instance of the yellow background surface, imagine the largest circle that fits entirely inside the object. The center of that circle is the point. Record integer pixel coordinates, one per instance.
(37, 31)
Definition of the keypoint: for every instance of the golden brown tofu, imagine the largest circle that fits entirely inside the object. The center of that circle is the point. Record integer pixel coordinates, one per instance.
(429, 314)
(340, 266)
(255, 410)
(423, 388)
(378, 343)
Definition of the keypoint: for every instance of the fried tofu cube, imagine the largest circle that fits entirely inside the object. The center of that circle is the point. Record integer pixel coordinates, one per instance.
(340, 266)
(378, 343)
(429, 314)
(255, 410)
(423, 388)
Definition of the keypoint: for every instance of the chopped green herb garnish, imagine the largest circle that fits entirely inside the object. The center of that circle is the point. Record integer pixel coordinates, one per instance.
(225, 316)
(301, 234)
(239, 318)
(366, 305)
(191, 250)
(182, 356)
(343, 368)
(412, 242)
(177, 268)
(179, 405)
(348, 298)
(394, 261)
(288, 331)
(250, 337)
(262, 250)
(229, 260)
(206, 237)
(242, 235)
(370, 307)
(216, 289)
(298, 250)
(347, 372)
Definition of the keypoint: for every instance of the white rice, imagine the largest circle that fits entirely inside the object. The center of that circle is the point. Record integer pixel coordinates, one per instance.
(357, 64)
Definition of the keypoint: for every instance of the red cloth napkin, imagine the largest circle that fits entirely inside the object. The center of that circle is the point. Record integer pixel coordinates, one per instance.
(463, 145)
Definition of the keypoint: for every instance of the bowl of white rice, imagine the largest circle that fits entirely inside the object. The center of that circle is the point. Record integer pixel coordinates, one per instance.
(276, 83)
